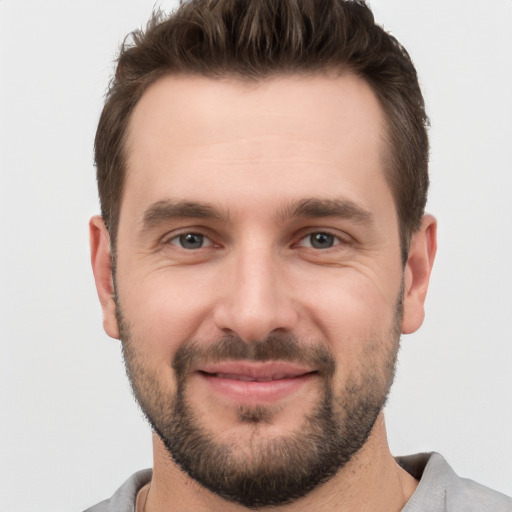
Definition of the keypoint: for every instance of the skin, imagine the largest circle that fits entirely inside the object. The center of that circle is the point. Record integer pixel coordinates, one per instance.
(250, 151)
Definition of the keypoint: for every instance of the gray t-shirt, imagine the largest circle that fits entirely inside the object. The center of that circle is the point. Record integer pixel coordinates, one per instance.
(439, 490)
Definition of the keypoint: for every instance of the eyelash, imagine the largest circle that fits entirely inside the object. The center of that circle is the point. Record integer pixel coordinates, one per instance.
(178, 240)
(335, 239)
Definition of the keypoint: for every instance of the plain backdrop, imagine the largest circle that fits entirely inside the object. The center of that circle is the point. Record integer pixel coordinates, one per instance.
(70, 431)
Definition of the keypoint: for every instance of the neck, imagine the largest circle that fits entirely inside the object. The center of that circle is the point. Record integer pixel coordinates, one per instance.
(370, 481)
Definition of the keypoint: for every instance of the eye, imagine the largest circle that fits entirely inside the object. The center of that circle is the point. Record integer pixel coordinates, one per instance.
(191, 241)
(319, 240)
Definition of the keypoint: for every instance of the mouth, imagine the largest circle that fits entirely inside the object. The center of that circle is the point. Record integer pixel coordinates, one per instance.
(255, 383)
(248, 378)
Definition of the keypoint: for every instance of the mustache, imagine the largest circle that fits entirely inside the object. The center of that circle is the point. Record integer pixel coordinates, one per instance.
(275, 347)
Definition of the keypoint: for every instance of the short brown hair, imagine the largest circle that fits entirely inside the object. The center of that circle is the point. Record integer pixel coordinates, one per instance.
(254, 39)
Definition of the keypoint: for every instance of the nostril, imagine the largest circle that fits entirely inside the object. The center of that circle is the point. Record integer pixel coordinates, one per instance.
(254, 315)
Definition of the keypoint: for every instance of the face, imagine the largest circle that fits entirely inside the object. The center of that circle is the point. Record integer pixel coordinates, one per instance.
(259, 281)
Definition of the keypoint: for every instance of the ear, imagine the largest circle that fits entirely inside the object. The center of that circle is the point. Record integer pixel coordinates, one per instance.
(102, 269)
(417, 270)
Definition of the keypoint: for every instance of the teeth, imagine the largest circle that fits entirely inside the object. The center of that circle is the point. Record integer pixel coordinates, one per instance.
(246, 378)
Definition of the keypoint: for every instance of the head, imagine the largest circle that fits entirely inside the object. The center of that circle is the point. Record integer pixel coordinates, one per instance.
(262, 188)
(219, 38)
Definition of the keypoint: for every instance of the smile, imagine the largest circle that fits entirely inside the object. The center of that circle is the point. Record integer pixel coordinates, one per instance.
(248, 378)
(255, 383)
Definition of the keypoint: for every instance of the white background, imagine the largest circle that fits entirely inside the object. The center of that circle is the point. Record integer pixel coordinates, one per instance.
(70, 432)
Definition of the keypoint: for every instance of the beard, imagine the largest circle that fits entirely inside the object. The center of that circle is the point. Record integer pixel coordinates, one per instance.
(262, 470)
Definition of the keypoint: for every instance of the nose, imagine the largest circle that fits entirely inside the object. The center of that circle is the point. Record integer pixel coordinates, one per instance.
(256, 299)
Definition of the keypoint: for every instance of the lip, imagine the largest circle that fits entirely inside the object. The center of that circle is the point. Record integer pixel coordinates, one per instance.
(255, 382)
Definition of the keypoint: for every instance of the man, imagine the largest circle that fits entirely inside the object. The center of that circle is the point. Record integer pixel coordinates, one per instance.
(262, 169)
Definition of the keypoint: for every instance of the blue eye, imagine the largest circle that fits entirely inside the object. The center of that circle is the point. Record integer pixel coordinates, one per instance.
(191, 241)
(319, 240)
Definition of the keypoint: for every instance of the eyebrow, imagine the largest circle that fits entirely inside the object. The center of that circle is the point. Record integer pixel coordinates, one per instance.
(166, 210)
(319, 208)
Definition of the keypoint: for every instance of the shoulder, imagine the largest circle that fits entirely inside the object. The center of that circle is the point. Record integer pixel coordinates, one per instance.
(442, 490)
(123, 500)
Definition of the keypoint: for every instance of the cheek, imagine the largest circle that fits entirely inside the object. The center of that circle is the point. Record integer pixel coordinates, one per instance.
(357, 321)
(352, 304)
(164, 311)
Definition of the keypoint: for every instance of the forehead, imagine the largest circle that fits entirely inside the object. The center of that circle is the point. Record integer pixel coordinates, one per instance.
(273, 139)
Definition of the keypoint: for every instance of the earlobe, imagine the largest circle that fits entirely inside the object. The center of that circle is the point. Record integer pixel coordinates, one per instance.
(417, 271)
(102, 269)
